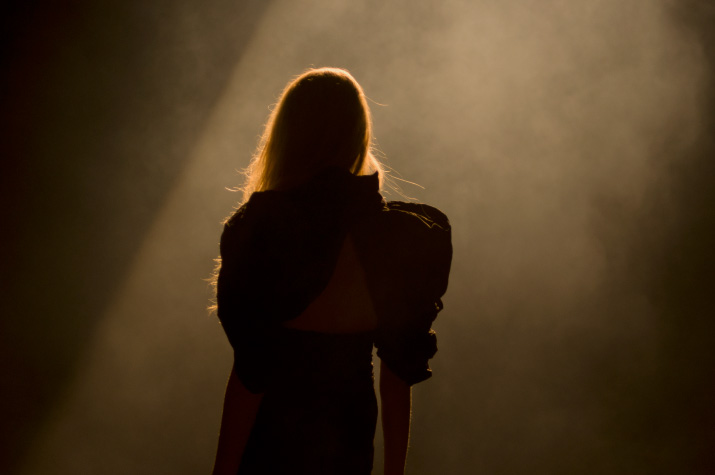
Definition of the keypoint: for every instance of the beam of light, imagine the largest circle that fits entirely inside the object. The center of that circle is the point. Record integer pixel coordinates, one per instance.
(145, 368)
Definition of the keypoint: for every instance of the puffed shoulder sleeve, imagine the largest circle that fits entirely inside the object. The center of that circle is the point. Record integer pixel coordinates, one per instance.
(418, 256)
(237, 298)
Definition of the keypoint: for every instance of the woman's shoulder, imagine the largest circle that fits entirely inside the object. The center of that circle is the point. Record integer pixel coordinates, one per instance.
(260, 204)
(417, 215)
(410, 229)
(250, 223)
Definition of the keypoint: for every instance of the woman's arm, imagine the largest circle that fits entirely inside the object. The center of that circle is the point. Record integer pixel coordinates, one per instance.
(396, 399)
(240, 407)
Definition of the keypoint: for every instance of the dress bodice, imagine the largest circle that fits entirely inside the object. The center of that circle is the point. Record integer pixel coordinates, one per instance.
(280, 249)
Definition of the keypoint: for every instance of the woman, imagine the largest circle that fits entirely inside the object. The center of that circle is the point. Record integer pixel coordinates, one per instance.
(316, 268)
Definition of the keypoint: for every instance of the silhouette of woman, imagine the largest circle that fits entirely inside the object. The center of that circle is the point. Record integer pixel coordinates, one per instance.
(316, 268)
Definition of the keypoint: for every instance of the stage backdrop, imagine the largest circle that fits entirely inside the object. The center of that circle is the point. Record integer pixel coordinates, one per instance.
(569, 142)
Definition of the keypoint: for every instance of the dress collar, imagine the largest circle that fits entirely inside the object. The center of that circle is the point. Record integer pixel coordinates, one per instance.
(340, 186)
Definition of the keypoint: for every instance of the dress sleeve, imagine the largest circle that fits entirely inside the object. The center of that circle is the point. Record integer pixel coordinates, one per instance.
(418, 264)
(239, 281)
(407, 350)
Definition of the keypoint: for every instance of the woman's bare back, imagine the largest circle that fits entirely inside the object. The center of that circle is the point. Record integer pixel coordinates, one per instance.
(345, 305)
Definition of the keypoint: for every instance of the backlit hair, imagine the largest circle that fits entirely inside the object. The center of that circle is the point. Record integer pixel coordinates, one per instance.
(321, 120)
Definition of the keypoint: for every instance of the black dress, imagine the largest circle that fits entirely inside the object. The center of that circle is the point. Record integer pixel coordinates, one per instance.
(279, 251)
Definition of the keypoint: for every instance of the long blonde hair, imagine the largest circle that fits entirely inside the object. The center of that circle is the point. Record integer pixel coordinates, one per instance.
(321, 120)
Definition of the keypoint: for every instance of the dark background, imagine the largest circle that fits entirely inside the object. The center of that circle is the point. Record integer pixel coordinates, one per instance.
(572, 145)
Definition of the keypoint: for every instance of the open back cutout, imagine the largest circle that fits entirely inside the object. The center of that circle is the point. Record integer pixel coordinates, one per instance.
(345, 305)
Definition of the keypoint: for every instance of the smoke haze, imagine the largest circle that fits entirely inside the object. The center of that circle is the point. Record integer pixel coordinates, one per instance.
(570, 143)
